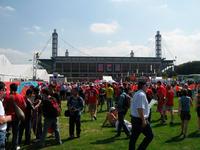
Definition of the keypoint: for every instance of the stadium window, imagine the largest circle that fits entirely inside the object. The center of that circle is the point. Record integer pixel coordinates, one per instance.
(58, 67)
(109, 67)
(100, 68)
(117, 67)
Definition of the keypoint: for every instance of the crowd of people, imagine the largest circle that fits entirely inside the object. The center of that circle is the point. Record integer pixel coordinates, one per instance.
(45, 100)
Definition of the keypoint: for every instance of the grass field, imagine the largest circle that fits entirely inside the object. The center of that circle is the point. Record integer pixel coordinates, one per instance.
(94, 137)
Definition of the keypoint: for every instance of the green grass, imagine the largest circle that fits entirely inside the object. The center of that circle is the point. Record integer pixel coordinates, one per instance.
(94, 137)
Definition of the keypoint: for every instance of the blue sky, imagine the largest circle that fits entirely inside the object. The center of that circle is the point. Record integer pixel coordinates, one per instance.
(100, 27)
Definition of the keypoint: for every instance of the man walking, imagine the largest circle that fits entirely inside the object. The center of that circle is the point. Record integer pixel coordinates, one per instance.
(139, 118)
(122, 107)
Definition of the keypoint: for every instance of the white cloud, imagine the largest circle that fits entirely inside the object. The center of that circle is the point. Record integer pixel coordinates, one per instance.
(6, 10)
(36, 28)
(122, 49)
(9, 8)
(109, 42)
(163, 6)
(186, 47)
(104, 28)
(15, 56)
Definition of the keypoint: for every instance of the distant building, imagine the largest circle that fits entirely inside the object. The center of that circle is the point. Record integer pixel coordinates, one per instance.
(94, 67)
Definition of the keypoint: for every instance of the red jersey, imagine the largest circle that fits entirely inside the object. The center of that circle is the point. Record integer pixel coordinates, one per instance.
(170, 98)
(149, 94)
(8, 105)
(161, 92)
(134, 88)
(116, 91)
(92, 95)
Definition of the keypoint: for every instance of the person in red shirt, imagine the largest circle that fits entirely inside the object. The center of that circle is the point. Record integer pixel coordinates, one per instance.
(9, 109)
(92, 100)
(161, 94)
(149, 94)
(169, 102)
(116, 92)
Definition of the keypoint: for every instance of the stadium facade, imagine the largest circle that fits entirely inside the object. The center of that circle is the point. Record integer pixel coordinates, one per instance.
(94, 67)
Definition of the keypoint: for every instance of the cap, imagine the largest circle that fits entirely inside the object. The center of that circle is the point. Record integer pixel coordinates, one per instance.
(91, 84)
(112, 109)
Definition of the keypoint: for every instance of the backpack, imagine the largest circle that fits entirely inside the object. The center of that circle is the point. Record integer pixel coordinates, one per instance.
(126, 102)
(55, 108)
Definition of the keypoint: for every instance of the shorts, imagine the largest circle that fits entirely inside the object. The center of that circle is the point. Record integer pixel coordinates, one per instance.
(185, 115)
(101, 100)
(198, 111)
(92, 107)
(165, 108)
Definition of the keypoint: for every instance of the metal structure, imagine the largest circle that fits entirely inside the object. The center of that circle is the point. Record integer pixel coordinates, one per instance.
(35, 65)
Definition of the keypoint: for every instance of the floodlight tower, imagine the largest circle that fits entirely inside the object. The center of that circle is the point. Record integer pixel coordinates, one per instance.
(54, 44)
(158, 48)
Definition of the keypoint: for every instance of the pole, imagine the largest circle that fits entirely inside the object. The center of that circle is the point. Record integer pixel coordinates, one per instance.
(34, 66)
(35, 61)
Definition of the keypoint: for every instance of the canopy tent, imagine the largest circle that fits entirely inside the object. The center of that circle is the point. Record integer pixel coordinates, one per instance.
(108, 79)
(10, 72)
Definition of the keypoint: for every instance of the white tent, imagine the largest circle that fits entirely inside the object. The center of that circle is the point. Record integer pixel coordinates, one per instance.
(10, 72)
(108, 79)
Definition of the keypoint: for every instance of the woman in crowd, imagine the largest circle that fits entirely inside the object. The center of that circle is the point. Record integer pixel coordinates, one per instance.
(184, 110)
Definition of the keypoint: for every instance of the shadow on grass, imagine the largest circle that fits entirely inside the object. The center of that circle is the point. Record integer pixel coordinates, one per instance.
(195, 134)
(154, 121)
(89, 120)
(105, 141)
(177, 138)
(107, 126)
(175, 124)
(34, 146)
(165, 124)
(103, 111)
(159, 125)
(108, 140)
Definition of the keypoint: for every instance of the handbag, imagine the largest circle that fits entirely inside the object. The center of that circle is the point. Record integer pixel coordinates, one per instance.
(67, 113)
(18, 111)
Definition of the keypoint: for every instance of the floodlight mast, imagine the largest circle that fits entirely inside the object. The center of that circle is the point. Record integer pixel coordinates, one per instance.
(35, 65)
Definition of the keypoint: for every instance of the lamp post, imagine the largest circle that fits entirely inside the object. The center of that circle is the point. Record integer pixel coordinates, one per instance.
(35, 63)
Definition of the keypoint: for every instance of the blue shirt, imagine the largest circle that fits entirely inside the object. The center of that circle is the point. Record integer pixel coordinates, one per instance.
(185, 103)
(77, 103)
(121, 103)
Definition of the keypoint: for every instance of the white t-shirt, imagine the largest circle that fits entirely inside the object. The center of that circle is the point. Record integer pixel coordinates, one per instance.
(127, 124)
(139, 100)
(2, 113)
